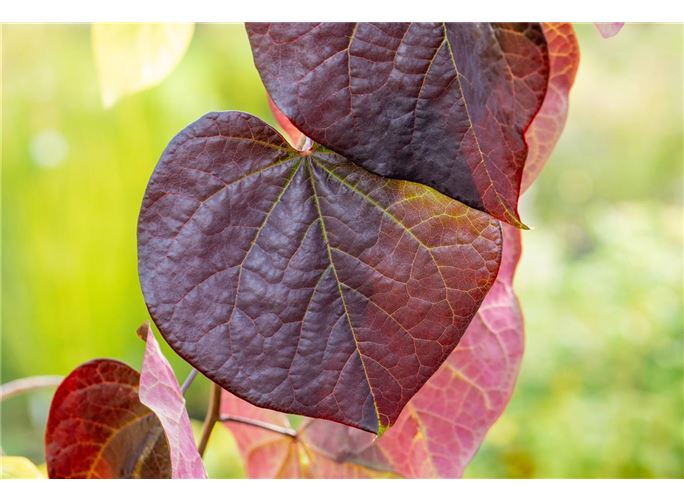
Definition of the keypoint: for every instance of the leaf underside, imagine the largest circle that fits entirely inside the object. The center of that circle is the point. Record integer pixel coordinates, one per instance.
(98, 428)
(160, 392)
(301, 282)
(442, 104)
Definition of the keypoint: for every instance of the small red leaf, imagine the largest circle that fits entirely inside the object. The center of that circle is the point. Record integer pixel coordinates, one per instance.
(98, 428)
(547, 126)
(160, 392)
(300, 281)
(443, 104)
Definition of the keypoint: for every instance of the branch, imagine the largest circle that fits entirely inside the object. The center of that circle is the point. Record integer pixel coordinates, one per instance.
(188, 381)
(261, 425)
(213, 414)
(21, 385)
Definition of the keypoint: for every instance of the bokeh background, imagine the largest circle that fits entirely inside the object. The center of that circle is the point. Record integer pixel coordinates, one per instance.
(600, 392)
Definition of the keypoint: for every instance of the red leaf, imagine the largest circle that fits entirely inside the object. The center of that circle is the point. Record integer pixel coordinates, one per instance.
(609, 30)
(160, 392)
(98, 428)
(302, 282)
(547, 126)
(443, 104)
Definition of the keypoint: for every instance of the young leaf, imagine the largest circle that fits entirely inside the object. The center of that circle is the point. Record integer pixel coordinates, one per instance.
(296, 138)
(98, 428)
(443, 104)
(301, 282)
(160, 392)
(134, 57)
(543, 133)
(18, 468)
(609, 30)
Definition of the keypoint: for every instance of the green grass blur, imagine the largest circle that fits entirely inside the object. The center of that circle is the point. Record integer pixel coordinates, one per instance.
(600, 391)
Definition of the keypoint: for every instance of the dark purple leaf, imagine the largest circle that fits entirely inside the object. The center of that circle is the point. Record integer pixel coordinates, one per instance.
(443, 104)
(301, 282)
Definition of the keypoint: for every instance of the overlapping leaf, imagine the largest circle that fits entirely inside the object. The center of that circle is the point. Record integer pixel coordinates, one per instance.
(304, 283)
(160, 392)
(443, 425)
(98, 428)
(548, 124)
(443, 104)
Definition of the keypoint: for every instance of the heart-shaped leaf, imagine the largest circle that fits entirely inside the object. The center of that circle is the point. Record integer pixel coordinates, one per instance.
(443, 104)
(301, 282)
(98, 428)
(160, 392)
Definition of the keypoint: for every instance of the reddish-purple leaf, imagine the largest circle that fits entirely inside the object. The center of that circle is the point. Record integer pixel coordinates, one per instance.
(98, 428)
(547, 126)
(443, 104)
(160, 392)
(609, 30)
(301, 282)
(444, 424)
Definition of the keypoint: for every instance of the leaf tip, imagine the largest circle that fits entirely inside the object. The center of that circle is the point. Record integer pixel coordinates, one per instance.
(143, 331)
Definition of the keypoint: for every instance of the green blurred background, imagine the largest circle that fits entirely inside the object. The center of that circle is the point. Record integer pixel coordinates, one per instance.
(600, 392)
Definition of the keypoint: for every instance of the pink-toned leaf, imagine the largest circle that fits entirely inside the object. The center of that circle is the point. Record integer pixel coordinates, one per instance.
(608, 30)
(543, 133)
(444, 424)
(267, 454)
(160, 392)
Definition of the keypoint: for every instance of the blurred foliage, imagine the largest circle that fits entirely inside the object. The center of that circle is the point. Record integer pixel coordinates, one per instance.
(600, 391)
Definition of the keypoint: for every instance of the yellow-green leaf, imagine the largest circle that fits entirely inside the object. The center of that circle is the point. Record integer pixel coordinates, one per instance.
(134, 57)
(18, 468)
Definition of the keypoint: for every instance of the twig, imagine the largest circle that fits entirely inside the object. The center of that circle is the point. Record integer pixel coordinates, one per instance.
(261, 425)
(189, 380)
(21, 385)
(213, 414)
